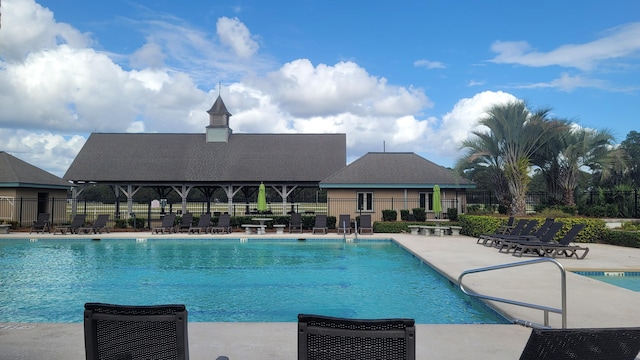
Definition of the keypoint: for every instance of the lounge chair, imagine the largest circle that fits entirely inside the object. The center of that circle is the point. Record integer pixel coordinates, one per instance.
(344, 224)
(295, 224)
(527, 230)
(185, 223)
(562, 247)
(204, 223)
(98, 226)
(76, 223)
(583, 344)
(41, 224)
(320, 224)
(484, 238)
(365, 224)
(167, 224)
(506, 228)
(328, 338)
(546, 238)
(224, 224)
(135, 332)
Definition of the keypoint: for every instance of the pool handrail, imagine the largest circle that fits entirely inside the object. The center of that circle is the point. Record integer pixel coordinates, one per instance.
(563, 276)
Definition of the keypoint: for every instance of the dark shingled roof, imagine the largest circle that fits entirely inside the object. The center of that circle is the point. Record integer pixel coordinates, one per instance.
(17, 173)
(188, 158)
(394, 170)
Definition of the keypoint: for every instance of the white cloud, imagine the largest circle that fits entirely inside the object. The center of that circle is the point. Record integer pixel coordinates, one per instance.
(28, 27)
(429, 64)
(616, 43)
(568, 83)
(234, 33)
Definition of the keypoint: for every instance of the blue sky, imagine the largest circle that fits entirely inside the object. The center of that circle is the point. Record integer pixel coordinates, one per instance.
(393, 75)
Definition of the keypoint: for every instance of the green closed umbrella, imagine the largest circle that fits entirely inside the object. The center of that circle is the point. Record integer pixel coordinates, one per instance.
(262, 198)
(437, 203)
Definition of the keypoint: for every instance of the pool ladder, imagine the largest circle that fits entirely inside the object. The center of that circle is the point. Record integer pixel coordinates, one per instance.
(563, 285)
(344, 232)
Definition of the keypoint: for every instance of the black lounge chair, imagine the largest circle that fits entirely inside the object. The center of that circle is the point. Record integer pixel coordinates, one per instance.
(562, 247)
(41, 224)
(330, 338)
(515, 230)
(135, 332)
(583, 344)
(167, 224)
(506, 228)
(344, 224)
(76, 224)
(295, 223)
(224, 224)
(547, 238)
(204, 223)
(185, 223)
(527, 230)
(365, 224)
(320, 224)
(98, 226)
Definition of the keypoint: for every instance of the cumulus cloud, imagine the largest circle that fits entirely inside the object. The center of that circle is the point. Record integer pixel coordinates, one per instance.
(615, 43)
(234, 33)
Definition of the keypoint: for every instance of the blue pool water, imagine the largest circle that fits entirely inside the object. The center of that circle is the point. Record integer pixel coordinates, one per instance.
(228, 280)
(628, 280)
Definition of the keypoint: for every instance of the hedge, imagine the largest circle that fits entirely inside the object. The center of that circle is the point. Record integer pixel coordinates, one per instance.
(476, 225)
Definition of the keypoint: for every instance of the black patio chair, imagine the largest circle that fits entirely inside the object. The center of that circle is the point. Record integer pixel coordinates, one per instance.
(330, 338)
(583, 344)
(295, 224)
(135, 332)
(41, 224)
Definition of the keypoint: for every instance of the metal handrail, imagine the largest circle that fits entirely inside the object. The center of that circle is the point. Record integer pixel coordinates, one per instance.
(546, 309)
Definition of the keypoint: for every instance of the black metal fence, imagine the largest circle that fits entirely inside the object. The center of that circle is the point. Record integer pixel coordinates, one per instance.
(22, 211)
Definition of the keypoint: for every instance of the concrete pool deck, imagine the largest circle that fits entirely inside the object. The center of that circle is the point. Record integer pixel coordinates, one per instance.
(590, 303)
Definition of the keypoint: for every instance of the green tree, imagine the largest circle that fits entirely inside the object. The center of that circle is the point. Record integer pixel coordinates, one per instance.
(631, 148)
(582, 148)
(513, 137)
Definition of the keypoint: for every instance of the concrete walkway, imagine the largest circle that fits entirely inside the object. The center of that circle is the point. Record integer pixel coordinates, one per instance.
(590, 304)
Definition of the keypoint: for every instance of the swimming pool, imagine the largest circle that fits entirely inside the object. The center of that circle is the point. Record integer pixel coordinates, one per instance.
(228, 280)
(625, 279)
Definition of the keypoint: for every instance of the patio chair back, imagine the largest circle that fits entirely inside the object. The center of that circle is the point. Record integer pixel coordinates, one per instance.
(295, 223)
(204, 221)
(135, 332)
(517, 229)
(592, 344)
(323, 337)
(571, 234)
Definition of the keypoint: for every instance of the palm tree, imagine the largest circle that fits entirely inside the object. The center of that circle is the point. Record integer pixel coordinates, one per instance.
(514, 136)
(583, 148)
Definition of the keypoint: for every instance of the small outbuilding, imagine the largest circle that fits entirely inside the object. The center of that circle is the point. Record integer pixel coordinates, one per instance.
(26, 191)
(393, 181)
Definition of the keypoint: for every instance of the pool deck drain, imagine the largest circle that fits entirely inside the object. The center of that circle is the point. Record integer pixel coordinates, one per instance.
(590, 304)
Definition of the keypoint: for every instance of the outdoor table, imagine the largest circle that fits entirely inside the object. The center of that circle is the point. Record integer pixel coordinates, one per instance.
(262, 221)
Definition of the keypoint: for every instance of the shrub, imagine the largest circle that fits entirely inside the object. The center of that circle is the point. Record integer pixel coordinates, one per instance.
(390, 227)
(452, 214)
(622, 238)
(389, 215)
(404, 215)
(420, 214)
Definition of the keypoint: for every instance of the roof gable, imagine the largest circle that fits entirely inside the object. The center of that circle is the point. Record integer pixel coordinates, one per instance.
(17, 173)
(394, 170)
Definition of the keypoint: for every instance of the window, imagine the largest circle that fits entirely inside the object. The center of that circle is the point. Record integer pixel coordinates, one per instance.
(365, 201)
(426, 201)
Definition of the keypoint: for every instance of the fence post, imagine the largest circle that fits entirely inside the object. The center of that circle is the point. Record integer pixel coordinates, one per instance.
(149, 214)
